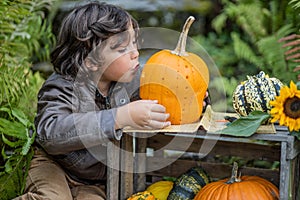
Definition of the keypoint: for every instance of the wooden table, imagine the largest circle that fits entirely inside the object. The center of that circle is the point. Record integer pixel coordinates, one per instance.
(122, 184)
(120, 168)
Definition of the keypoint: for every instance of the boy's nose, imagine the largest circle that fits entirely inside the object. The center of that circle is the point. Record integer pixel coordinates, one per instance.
(134, 53)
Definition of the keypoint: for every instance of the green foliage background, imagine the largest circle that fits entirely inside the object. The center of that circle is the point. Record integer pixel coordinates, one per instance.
(242, 40)
(245, 38)
(26, 36)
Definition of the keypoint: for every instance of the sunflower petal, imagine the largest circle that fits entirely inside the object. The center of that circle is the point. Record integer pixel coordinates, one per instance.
(274, 111)
(293, 87)
(297, 126)
(282, 120)
(275, 119)
(291, 124)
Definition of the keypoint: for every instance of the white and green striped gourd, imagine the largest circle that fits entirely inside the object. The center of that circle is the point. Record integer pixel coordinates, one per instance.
(255, 94)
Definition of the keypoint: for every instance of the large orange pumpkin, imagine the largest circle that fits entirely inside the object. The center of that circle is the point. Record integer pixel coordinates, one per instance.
(177, 79)
(239, 188)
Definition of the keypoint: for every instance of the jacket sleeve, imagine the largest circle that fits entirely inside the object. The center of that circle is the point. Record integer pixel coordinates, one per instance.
(61, 125)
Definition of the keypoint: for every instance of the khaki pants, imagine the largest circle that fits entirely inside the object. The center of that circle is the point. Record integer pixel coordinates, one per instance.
(47, 180)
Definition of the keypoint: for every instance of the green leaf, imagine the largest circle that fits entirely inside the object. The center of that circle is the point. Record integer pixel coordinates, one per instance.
(19, 114)
(219, 22)
(296, 134)
(4, 156)
(10, 143)
(27, 144)
(169, 178)
(8, 166)
(245, 126)
(13, 128)
(296, 3)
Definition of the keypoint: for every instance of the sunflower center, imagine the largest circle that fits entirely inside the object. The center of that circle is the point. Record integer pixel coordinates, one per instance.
(292, 107)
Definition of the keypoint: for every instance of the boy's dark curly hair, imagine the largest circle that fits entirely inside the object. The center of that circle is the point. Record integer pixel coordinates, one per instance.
(84, 29)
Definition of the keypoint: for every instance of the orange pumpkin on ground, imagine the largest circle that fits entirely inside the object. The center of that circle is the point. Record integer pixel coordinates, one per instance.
(243, 188)
(177, 79)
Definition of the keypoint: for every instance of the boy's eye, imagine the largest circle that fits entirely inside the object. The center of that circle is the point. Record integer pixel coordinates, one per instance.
(122, 50)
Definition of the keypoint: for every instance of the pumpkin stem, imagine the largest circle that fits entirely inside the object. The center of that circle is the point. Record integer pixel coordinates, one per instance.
(180, 48)
(234, 174)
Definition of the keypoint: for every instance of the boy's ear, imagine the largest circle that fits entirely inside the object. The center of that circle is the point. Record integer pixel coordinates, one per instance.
(90, 65)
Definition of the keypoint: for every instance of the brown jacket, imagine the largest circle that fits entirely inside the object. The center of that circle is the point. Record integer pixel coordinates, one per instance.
(74, 123)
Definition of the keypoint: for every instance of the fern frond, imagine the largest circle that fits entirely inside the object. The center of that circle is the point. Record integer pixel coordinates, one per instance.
(249, 15)
(24, 32)
(230, 11)
(244, 51)
(273, 53)
(35, 81)
(12, 128)
(20, 116)
(252, 19)
(27, 144)
(219, 22)
(295, 3)
(11, 84)
(16, 145)
(12, 184)
(11, 144)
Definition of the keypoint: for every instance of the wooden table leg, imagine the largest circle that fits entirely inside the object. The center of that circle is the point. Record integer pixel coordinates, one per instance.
(126, 182)
(140, 165)
(284, 173)
(113, 163)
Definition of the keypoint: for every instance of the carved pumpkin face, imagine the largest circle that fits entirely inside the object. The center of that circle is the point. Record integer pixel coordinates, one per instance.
(178, 80)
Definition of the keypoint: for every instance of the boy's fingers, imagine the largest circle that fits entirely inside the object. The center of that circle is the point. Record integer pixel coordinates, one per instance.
(158, 125)
(159, 116)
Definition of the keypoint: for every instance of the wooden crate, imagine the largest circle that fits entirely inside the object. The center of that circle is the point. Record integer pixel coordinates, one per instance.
(278, 148)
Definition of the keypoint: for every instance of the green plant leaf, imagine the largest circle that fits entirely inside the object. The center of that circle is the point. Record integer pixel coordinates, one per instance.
(11, 143)
(296, 134)
(296, 3)
(245, 126)
(26, 38)
(13, 128)
(27, 144)
(20, 116)
(4, 156)
(243, 50)
(169, 178)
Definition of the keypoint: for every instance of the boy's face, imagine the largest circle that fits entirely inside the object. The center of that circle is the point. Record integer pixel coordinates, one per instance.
(121, 57)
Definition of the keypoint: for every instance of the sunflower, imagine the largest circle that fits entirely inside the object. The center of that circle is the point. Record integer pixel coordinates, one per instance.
(286, 107)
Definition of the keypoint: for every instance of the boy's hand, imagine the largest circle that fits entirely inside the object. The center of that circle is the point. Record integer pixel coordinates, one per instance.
(142, 114)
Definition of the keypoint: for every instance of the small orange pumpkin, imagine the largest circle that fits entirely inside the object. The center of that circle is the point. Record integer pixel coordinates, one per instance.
(238, 188)
(177, 79)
